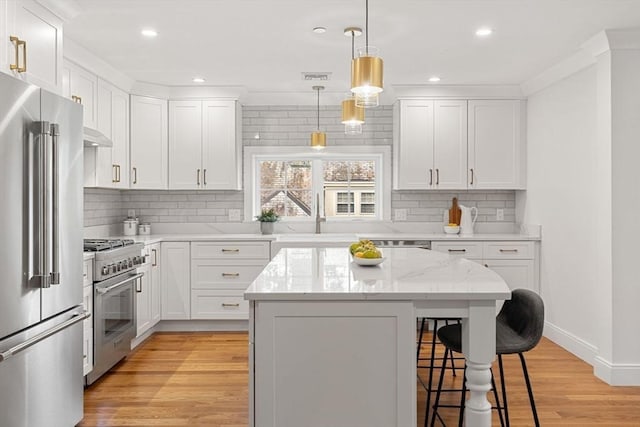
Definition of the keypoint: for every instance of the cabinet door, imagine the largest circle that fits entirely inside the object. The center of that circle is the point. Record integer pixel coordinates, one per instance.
(41, 32)
(120, 137)
(176, 286)
(450, 146)
(149, 146)
(105, 173)
(83, 88)
(185, 145)
(156, 291)
(496, 151)
(220, 154)
(414, 147)
(517, 273)
(143, 300)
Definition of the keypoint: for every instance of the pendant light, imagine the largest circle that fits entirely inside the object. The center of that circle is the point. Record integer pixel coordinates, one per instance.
(366, 71)
(318, 138)
(352, 115)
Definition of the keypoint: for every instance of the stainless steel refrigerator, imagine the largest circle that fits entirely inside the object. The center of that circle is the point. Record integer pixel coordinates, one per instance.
(41, 161)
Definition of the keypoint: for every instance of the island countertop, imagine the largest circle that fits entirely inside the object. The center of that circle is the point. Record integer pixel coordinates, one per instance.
(405, 274)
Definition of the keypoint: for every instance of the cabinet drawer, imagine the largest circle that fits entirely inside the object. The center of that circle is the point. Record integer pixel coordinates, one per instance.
(87, 272)
(208, 304)
(230, 250)
(209, 274)
(470, 250)
(508, 250)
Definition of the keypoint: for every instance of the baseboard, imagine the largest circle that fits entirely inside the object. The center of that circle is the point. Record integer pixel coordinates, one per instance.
(574, 345)
(620, 374)
(202, 325)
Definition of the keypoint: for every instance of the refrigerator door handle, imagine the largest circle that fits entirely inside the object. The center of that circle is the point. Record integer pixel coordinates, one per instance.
(42, 276)
(55, 192)
(80, 316)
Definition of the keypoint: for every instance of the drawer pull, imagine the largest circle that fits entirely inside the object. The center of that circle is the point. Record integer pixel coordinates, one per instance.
(234, 251)
(224, 304)
(230, 274)
(458, 250)
(513, 251)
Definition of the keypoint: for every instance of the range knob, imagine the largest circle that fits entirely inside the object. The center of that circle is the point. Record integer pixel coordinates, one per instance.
(105, 270)
(130, 262)
(113, 268)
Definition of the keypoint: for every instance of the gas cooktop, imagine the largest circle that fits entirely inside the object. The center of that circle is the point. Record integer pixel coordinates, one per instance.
(98, 245)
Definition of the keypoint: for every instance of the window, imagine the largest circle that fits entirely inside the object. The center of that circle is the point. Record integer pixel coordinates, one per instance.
(346, 182)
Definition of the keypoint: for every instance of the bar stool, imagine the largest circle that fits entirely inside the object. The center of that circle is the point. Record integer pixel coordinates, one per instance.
(432, 358)
(519, 328)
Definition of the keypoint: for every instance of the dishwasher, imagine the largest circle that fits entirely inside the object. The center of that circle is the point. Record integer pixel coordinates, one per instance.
(402, 243)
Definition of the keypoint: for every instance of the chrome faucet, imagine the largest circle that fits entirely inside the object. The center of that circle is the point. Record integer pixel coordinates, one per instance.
(319, 219)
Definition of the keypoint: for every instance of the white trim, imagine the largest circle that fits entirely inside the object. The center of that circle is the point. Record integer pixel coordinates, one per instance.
(619, 374)
(408, 91)
(252, 154)
(577, 346)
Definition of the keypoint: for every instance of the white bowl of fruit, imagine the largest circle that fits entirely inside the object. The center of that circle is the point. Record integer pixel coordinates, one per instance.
(366, 253)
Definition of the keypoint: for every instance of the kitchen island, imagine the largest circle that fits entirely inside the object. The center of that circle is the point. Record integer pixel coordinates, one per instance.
(333, 343)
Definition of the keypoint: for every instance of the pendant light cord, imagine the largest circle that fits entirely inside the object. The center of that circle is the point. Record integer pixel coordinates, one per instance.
(353, 44)
(366, 26)
(318, 109)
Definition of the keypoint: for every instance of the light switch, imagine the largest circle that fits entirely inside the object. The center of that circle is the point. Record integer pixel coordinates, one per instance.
(499, 214)
(400, 215)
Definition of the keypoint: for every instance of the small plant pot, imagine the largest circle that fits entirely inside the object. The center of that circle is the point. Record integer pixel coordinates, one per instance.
(266, 227)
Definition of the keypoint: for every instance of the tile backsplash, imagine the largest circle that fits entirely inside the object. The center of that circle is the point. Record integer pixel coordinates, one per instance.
(276, 126)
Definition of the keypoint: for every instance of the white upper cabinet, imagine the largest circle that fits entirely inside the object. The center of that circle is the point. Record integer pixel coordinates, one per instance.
(203, 145)
(149, 146)
(496, 144)
(430, 145)
(185, 145)
(111, 164)
(81, 86)
(31, 44)
(459, 144)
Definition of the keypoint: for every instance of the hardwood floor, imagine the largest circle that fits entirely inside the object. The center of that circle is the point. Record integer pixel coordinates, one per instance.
(200, 379)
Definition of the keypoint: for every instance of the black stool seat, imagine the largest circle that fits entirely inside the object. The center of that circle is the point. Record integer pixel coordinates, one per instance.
(507, 340)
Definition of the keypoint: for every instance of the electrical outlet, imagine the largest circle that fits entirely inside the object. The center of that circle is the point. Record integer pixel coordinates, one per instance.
(131, 213)
(499, 214)
(234, 215)
(400, 215)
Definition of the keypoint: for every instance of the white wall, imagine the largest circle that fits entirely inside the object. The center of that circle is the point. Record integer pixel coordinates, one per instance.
(561, 155)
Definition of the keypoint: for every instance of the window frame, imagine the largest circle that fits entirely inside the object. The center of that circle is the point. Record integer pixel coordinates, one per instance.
(380, 154)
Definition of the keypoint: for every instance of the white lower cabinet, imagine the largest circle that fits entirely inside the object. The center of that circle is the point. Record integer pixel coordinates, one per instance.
(514, 261)
(148, 292)
(220, 273)
(176, 281)
(87, 324)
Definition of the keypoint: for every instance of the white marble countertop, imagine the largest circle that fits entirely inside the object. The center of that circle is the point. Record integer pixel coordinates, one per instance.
(405, 274)
(155, 238)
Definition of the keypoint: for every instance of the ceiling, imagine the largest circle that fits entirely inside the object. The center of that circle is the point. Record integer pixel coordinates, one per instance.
(265, 45)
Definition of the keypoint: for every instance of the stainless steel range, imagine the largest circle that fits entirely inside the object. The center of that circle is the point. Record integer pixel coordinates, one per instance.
(114, 301)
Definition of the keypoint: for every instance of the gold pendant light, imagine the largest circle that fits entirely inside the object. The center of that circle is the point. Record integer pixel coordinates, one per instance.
(367, 72)
(318, 138)
(352, 115)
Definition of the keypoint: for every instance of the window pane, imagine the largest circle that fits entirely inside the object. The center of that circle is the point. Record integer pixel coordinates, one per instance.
(299, 203)
(299, 174)
(347, 181)
(285, 186)
(272, 174)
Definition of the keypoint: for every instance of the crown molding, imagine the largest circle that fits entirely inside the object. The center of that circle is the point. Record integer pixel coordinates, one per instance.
(403, 91)
(63, 9)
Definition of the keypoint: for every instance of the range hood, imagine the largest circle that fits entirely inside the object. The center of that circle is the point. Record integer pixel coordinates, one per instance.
(94, 138)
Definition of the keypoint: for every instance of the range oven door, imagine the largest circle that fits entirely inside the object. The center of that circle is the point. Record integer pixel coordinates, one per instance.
(114, 322)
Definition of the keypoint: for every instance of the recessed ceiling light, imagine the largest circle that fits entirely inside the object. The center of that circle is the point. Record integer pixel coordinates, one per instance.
(149, 32)
(484, 32)
(198, 80)
(94, 144)
(434, 79)
(319, 30)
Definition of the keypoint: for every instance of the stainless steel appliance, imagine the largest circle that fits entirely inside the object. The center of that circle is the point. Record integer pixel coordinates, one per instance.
(40, 257)
(402, 243)
(114, 301)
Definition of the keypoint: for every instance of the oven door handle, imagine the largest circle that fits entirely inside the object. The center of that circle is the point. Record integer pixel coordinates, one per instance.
(103, 291)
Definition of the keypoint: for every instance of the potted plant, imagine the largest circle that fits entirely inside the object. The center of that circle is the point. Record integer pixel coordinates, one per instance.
(267, 218)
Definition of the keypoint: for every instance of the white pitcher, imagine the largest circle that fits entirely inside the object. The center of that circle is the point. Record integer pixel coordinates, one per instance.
(466, 221)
